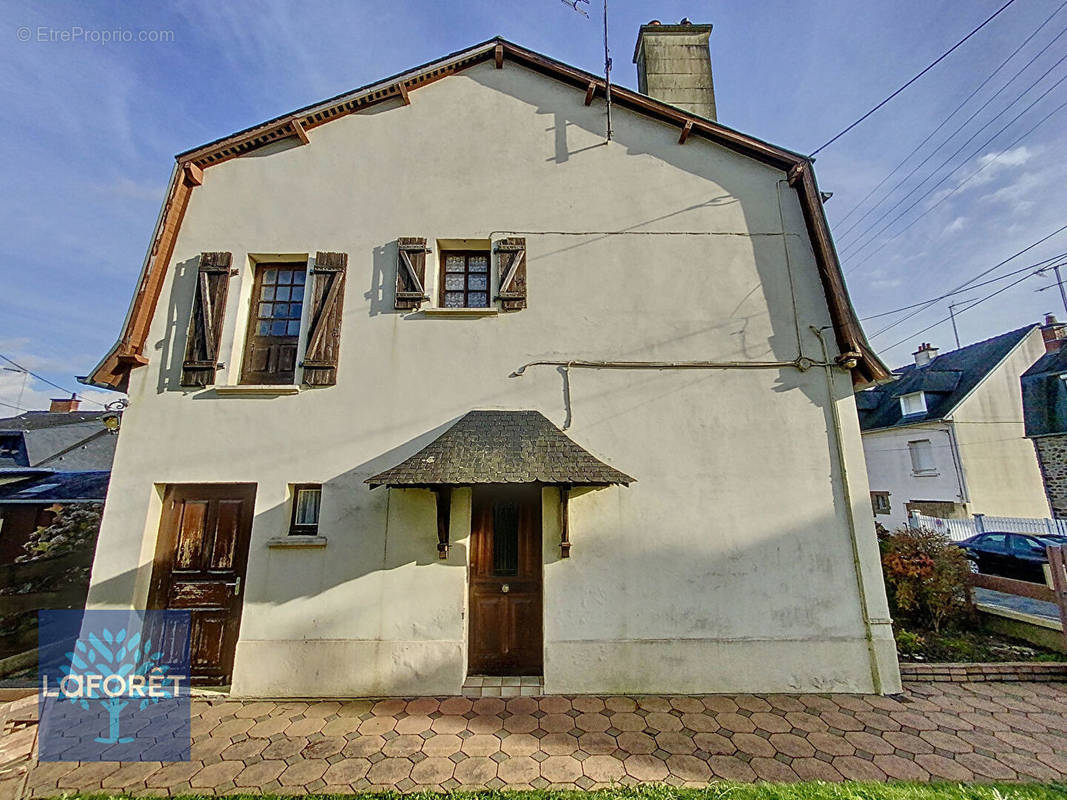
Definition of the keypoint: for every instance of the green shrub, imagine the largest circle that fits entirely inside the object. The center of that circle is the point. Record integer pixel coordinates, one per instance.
(909, 644)
(74, 527)
(925, 578)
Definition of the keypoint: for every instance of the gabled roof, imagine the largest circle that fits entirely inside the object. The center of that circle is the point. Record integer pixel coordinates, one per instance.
(1045, 395)
(501, 447)
(129, 352)
(75, 440)
(57, 487)
(946, 381)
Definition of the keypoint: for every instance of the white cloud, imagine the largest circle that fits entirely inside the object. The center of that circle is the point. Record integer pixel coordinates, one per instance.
(956, 225)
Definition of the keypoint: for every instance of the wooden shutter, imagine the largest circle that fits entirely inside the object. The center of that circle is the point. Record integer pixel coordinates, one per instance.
(512, 264)
(205, 325)
(410, 272)
(327, 303)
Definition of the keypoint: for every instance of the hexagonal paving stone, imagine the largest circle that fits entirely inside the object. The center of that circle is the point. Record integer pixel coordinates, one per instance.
(363, 746)
(561, 769)
(814, 769)
(714, 743)
(432, 771)
(731, 768)
(491, 706)
(595, 722)
(456, 705)
(772, 723)
(689, 768)
(214, 775)
(869, 743)
(620, 703)
(449, 724)
(603, 768)
(347, 771)
(131, 775)
(285, 748)
(404, 745)
(518, 770)
(554, 723)
(260, 773)
(559, 744)
(482, 744)
(302, 773)
(413, 724)
(598, 743)
(770, 769)
(900, 769)
(325, 747)
(626, 721)
(663, 721)
(389, 771)
(249, 748)
(520, 744)
(944, 768)
(475, 771)
(442, 745)
(854, 768)
(636, 743)
(735, 722)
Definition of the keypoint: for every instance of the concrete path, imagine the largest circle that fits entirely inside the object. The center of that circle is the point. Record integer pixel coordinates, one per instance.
(1012, 602)
(934, 731)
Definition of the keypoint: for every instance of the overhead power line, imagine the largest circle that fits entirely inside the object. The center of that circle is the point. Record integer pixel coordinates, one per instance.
(971, 280)
(985, 104)
(1033, 269)
(926, 69)
(989, 296)
(960, 185)
(50, 383)
(859, 243)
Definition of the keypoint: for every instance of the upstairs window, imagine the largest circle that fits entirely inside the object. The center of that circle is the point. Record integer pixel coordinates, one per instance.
(465, 279)
(914, 403)
(274, 329)
(305, 521)
(922, 457)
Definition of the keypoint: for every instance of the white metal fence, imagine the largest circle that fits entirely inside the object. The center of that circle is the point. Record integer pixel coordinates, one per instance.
(960, 529)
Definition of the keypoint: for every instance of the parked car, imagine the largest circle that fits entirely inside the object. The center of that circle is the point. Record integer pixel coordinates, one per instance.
(1011, 555)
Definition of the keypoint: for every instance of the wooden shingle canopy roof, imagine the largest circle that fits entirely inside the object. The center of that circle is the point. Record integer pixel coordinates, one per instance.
(501, 447)
(129, 352)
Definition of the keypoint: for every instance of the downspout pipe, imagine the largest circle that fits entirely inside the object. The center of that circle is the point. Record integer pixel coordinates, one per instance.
(839, 449)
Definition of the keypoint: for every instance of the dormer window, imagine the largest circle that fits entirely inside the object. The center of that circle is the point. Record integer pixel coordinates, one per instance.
(913, 403)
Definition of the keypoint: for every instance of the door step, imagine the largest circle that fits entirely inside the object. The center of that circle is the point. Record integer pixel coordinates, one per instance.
(506, 686)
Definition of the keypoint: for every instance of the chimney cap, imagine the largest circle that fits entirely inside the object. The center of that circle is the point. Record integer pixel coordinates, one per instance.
(1050, 319)
(656, 27)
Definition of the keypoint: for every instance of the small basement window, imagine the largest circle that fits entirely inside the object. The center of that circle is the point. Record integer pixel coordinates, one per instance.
(305, 519)
(465, 279)
(880, 502)
(914, 403)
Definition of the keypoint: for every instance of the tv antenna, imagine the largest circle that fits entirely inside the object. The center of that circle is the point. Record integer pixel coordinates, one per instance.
(576, 5)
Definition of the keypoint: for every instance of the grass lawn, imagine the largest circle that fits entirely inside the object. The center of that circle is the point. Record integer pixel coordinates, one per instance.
(807, 790)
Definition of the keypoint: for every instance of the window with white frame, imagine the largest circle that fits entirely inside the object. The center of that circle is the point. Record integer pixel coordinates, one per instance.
(914, 403)
(922, 457)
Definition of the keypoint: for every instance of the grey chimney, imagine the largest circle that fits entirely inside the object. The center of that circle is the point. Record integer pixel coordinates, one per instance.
(674, 65)
(925, 354)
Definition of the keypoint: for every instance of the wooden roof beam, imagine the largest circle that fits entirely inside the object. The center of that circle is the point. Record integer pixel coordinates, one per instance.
(498, 55)
(686, 130)
(589, 92)
(403, 87)
(298, 129)
(193, 175)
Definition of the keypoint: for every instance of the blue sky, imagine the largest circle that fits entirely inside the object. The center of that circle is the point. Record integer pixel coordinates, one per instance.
(92, 128)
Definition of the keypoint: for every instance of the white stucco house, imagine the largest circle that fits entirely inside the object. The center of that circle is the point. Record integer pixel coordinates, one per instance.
(432, 380)
(946, 437)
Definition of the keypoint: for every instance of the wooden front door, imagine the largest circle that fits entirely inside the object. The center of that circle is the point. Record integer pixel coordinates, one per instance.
(505, 582)
(201, 554)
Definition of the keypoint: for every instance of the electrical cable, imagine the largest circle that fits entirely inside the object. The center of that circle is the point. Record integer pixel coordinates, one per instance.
(926, 69)
(979, 276)
(859, 243)
(959, 128)
(50, 383)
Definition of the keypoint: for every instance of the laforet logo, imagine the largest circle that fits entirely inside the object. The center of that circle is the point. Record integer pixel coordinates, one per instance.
(114, 685)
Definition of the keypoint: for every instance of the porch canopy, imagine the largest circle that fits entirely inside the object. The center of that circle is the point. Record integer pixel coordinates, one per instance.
(501, 447)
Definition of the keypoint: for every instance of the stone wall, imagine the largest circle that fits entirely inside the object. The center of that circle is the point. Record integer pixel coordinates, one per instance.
(1052, 456)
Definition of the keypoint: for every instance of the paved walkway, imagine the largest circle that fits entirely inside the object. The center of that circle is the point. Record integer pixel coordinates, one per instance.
(959, 732)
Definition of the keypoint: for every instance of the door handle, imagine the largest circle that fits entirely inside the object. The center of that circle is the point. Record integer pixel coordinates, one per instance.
(236, 586)
(505, 588)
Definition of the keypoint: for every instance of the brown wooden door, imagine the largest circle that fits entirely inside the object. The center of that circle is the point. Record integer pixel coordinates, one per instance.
(201, 555)
(505, 582)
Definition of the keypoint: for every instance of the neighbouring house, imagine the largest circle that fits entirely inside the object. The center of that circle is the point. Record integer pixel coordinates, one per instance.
(945, 437)
(433, 380)
(49, 459)
(1044, 388)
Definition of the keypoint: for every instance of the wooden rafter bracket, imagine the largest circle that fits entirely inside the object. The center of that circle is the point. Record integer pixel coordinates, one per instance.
(498, 56)
(686, 130)
(131, 360)
(590, 91)
(192, 174)
(796, 173)
(403, 89)
(298, 129)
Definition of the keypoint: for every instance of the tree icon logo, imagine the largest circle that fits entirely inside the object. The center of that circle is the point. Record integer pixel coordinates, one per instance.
(118, 661)
(114, 685)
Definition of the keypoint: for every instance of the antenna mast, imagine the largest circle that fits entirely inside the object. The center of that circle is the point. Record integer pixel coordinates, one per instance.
(607, 69)
(607, 53)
